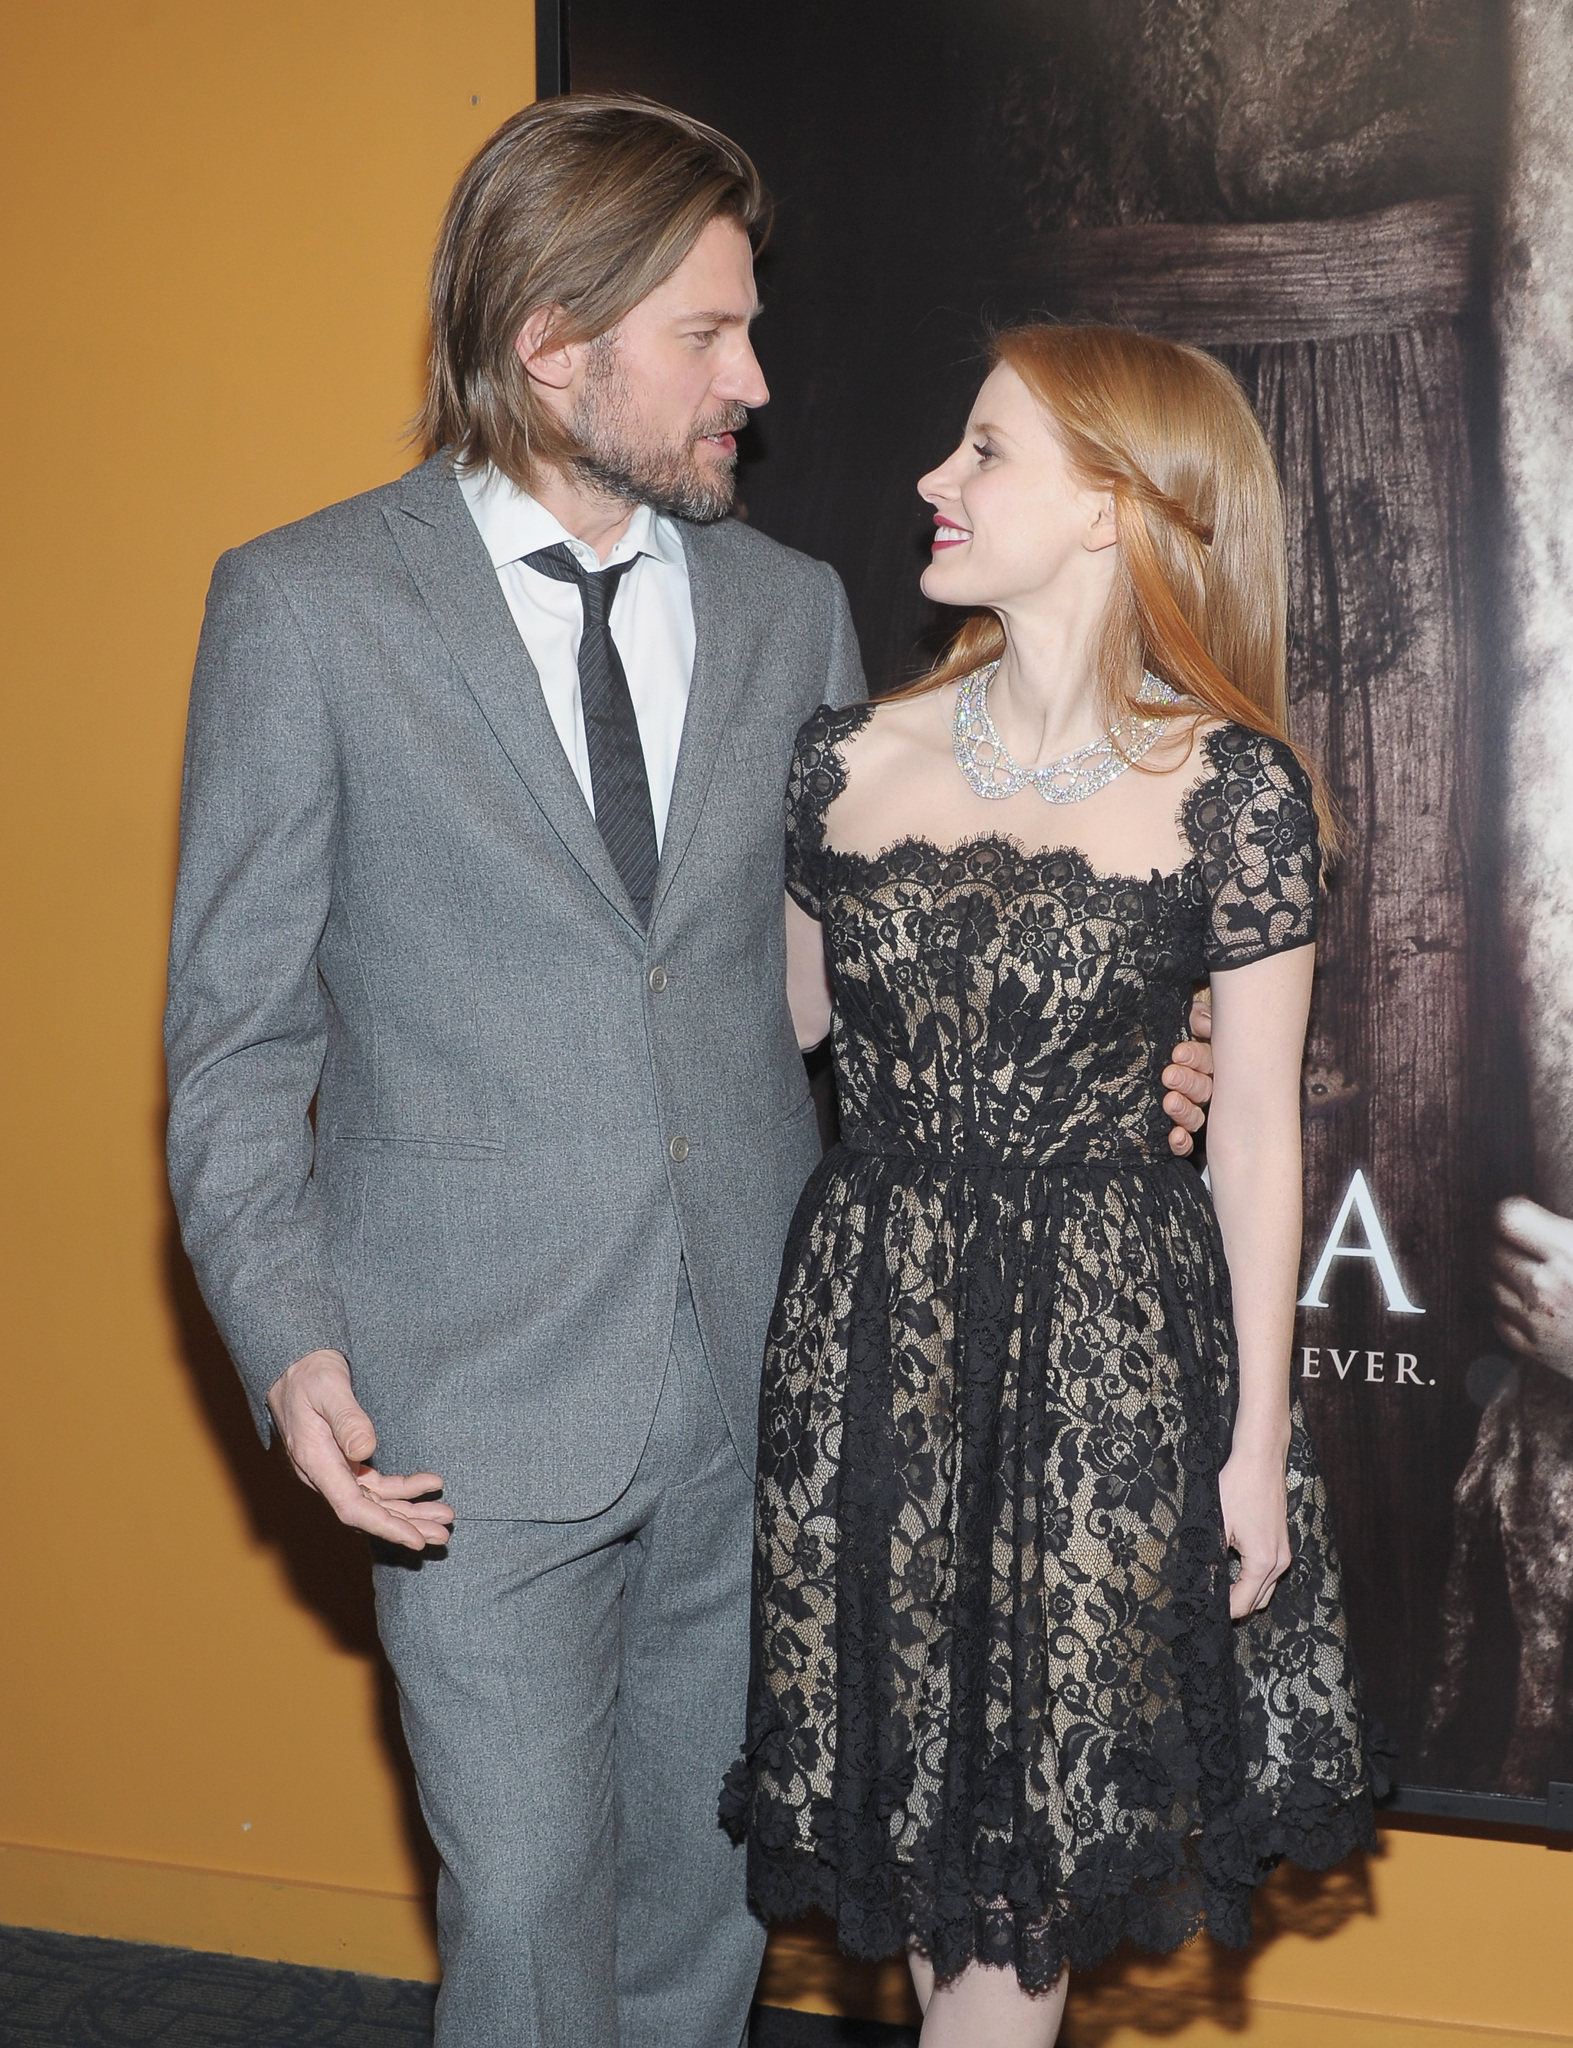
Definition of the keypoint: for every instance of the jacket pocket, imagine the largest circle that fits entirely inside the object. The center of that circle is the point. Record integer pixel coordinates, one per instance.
(422, 1144)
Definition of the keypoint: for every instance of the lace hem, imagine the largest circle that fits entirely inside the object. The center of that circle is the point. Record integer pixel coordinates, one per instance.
(1156, 1896)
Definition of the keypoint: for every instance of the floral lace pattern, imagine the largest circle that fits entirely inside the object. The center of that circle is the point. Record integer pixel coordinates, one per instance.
(997, 1706)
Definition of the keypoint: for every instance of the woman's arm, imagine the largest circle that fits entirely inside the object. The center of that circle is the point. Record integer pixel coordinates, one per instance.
(808, 982)
(1253, 1157)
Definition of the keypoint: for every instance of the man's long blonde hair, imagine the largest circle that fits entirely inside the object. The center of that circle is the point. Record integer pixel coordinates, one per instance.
(1200, 595)
(584, 203)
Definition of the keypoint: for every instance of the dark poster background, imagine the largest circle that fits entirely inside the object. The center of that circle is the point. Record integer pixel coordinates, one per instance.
(1308, 190)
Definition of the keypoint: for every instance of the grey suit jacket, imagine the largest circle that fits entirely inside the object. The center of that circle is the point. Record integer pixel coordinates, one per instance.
(436, 1100)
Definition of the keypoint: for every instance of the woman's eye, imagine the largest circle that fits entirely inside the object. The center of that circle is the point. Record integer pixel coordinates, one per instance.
(983, 451)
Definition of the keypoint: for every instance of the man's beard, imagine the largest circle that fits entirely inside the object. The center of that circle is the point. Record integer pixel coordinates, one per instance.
(666, 476)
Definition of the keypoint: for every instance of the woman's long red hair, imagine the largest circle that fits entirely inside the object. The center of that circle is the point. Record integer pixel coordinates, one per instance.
(1200, 596)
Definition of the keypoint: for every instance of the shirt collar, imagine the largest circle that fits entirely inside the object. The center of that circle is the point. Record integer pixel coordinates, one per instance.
(512, 524)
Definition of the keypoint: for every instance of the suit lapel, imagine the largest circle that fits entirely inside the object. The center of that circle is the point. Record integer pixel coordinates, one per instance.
(720, 645)
(434, 533)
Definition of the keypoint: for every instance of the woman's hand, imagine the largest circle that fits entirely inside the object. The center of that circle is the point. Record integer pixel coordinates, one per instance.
(1255, 1500)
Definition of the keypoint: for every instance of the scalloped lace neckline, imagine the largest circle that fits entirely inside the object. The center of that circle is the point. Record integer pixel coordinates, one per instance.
(916, 843)
(1006, 842)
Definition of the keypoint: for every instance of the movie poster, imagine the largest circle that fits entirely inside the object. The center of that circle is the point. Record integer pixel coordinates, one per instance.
(1362, 209)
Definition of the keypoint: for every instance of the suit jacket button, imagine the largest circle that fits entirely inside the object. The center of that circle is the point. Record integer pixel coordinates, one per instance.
(678, 1149)
(657, 979)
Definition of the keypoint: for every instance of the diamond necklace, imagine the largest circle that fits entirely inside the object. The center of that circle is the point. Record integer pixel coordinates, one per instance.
(983, 758)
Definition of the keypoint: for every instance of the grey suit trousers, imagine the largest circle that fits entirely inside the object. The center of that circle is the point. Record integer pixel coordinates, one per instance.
(572, 1693)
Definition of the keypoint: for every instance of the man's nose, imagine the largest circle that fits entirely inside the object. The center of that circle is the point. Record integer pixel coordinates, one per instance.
(742, 382)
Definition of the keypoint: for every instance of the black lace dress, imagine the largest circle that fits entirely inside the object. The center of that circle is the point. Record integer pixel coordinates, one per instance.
(997, 1707)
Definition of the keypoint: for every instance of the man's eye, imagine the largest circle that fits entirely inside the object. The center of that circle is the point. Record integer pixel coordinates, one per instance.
(704, 340)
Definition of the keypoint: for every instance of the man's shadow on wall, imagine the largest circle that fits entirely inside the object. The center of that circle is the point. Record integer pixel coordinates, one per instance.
(327, 1565)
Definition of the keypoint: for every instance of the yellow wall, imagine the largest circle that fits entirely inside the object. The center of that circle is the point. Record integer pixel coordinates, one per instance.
(218, 218)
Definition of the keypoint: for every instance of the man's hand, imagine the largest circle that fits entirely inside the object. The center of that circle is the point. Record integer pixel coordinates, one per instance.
(329, 1438)
(1188, 1079)
(1532, 1283)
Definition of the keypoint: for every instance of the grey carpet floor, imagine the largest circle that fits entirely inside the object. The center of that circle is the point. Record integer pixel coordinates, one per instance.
(69, 1991)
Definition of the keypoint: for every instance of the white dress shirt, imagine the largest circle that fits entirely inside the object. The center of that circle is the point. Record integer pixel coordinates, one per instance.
(652, 622)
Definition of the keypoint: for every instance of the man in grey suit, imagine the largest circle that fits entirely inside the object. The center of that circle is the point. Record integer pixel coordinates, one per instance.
(487, 1115)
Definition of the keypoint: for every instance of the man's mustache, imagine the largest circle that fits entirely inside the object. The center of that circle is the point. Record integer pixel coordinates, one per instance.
(730, 421)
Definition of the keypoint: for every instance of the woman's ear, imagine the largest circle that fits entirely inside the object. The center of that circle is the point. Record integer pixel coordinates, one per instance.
(1103, 530)
(552, 364)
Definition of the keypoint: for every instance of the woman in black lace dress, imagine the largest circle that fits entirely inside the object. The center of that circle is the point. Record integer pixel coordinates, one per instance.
(1049, 1647)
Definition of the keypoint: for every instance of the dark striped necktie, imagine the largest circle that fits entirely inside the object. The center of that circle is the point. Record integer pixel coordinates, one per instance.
(620, 786)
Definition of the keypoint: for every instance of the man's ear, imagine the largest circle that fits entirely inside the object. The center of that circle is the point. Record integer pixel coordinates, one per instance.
(1103, 530)
(552, 365)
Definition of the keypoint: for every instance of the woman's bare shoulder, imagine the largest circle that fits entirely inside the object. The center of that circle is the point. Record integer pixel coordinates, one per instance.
(898, 747)
(1181, 750)
(924, 721)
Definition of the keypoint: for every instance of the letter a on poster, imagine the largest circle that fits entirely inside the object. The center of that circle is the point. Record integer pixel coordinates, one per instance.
(1357, 1201)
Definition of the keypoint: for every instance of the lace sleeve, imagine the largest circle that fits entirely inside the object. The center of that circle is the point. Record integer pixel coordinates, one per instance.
(818, 778)
(1253, 825)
